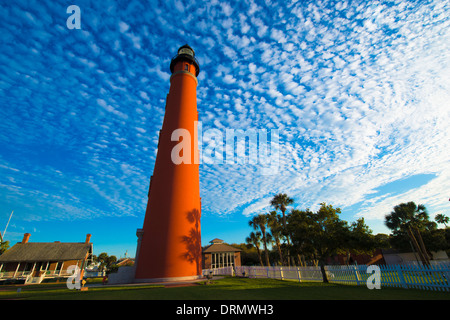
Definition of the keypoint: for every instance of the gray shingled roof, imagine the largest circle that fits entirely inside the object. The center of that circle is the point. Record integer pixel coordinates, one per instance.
(51, 251)
(220, 247)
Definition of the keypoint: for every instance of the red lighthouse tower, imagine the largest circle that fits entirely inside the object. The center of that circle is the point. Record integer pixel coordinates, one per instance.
(169, 245)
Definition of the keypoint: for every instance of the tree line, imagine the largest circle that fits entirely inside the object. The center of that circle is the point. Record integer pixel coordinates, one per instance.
(299, 236)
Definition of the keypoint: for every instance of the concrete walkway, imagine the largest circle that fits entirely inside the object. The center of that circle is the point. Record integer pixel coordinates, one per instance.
(172, 284)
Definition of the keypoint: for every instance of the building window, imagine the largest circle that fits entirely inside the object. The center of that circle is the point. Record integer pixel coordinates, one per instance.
(186, 67)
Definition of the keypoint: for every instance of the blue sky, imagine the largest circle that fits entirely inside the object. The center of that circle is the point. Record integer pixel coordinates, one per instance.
(359, 91)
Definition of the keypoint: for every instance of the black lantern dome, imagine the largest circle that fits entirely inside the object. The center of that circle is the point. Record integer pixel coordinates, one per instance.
(185, 53)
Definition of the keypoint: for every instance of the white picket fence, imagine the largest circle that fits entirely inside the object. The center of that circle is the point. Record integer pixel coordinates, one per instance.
(283, 273)
(434, 277)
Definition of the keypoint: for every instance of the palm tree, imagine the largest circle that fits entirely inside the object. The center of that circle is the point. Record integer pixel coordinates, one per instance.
(411, 218)
(260, 222)
(281, 201)
(407, 215)
(254, 239)
(273, 221)
(440, 218)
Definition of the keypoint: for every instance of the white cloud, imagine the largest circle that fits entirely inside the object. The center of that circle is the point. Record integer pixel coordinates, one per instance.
(144, 95)
(229, 79)
(179, 6)
(278, 36)
(123, 27)
(135, 39)
(227, 9)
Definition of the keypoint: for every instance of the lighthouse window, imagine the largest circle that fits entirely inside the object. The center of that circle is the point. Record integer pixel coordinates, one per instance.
(186, 67)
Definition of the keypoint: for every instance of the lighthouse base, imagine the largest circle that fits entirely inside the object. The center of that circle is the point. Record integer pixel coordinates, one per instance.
(171, 279)
(126, 275)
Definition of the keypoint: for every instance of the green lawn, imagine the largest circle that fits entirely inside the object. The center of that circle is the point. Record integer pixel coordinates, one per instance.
(227, 288)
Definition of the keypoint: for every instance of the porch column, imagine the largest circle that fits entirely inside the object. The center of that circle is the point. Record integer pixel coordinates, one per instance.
(46, 268)
(32, 270)
(15, 272)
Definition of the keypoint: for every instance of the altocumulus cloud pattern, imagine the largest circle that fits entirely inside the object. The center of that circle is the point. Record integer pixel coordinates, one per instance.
(359, 91)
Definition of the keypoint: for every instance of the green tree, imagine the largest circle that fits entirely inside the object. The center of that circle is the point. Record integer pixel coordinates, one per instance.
(249, 254)
(409, 220)
(280, 202)
(330, 234)
(407, 215)
(4, 245)
(255, 239)
(299, 228)
(442, 219)
(360, 239)
(260, 222)
(276, 229)
(105, 261)
(382, 240)
(320, 235)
